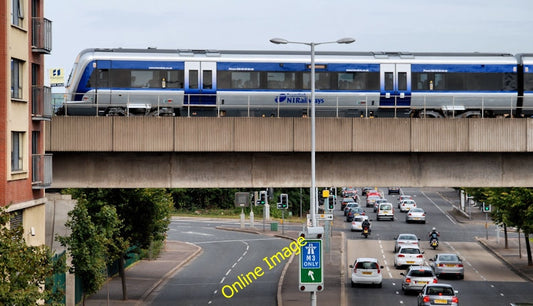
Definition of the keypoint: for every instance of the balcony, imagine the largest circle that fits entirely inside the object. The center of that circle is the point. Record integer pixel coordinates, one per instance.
(41, 102)
(41, 35)
(41, 171)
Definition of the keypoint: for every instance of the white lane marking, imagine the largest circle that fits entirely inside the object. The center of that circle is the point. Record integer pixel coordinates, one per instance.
(225, 241)
(233, 266)
(442, 211)
(196, 233)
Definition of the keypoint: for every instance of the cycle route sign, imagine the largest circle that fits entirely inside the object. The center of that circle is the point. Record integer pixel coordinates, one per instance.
(311, 266)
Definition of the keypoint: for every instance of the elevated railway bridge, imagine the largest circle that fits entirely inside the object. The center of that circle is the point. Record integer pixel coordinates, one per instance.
(223, 152)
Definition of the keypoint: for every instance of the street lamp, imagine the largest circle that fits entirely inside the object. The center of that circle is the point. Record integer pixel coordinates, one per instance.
(281, 41)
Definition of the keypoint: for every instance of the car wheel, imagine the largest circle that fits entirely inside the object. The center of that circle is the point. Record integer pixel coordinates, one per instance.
(353, 285)
(462, 276)
(380, 285)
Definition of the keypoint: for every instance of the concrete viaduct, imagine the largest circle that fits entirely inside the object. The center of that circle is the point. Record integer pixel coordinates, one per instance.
(228, 152)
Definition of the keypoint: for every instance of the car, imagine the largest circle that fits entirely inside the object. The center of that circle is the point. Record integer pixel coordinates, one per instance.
(349, 206)
(394, 190)
(365, 189)
(367, 271)
(405, 239)
(371, 199)
(346, 201)
(415, 215)
(354, 211)
(447, 264)
(404, 197)
(416, 277)
(379, 201)
(406, 205)
(357, 223)
(385, 211)
(408, 255)
(438, 294)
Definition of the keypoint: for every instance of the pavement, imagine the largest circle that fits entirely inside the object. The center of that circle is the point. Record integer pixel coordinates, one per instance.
(144, 277)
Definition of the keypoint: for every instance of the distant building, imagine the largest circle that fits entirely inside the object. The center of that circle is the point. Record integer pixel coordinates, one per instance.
(25, 104)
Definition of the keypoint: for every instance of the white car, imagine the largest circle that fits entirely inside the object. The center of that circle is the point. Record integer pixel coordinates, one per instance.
(405, 240)
(406, 205)
(415, 215)
(385, 211)
(357, 223)
(366, 271)
(408, 256)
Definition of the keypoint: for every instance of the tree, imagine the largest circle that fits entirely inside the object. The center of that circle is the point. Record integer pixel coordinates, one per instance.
(144, 216)
(87, 246)
(25, 271)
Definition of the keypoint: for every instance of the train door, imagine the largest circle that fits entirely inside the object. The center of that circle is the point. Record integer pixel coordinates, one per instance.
(200, 83)
(100, 81)
(395, 85)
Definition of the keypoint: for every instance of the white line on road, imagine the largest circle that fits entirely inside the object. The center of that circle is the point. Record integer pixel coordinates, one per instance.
(442, 211)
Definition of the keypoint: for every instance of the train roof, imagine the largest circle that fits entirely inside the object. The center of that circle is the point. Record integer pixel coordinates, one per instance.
(154, 54)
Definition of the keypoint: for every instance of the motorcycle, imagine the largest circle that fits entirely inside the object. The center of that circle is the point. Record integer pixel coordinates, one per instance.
(365, 232)
(434, 243)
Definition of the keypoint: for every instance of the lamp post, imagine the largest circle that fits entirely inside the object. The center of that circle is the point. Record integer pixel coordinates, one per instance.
(282, 41)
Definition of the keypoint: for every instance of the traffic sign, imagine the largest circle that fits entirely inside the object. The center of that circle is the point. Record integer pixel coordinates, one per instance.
(311, 266)
(321, 217)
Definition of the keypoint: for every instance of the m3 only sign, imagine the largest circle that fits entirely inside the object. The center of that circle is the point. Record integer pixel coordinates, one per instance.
(311, 266)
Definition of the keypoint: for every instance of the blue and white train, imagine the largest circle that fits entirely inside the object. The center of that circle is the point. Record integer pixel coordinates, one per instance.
(277, 83)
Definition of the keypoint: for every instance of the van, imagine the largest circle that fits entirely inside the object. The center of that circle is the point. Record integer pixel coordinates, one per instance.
(385, 211)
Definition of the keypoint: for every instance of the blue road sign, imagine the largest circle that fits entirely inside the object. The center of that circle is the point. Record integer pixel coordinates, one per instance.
(311, 266)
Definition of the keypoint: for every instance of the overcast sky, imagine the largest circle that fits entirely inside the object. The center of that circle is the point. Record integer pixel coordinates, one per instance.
(377, 25)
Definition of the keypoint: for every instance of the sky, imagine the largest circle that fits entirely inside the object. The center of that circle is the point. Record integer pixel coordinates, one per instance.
(504, 26)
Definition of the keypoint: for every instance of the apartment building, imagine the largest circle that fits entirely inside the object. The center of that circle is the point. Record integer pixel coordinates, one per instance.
(25, 169)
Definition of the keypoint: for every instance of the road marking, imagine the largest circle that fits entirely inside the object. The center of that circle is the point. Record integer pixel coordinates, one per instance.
(235, 240)
(442, 211)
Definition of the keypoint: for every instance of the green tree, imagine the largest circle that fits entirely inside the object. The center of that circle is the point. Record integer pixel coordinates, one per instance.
(25, 271)
(87, 246)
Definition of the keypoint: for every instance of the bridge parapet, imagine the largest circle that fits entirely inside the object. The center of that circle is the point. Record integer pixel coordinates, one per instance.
(233, 134)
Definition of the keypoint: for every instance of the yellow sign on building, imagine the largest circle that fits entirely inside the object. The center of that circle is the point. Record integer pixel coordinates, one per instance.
(57, 77)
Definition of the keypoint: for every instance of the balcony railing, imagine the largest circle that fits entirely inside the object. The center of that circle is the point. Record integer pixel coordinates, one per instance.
(41, 171)
(41, 104)
(42, 35)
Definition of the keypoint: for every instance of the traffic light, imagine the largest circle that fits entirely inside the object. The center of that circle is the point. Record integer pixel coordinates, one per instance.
(331, 202)
(486, 208)
(262, 197)
(283, 201)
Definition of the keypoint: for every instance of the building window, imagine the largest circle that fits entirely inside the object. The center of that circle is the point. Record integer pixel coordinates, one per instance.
(17, 13)
(16, 78)
(17, 139)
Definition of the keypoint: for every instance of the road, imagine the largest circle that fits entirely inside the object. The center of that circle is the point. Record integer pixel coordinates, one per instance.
(487, 280)
(227, 257)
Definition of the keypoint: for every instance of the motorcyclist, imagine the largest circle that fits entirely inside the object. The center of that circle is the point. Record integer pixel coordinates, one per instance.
(365, 224)
(434, 234)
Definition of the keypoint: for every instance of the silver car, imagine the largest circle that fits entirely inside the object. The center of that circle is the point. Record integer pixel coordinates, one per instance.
(438, 294)
(447, 264)
(416, 277)
(405, 240)
(415, 215)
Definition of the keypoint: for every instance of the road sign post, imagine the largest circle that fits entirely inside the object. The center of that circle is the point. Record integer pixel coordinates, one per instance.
(311, 266)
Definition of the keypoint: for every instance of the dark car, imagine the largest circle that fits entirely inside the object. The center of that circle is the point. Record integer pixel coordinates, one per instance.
(394, 190)
(354, 212)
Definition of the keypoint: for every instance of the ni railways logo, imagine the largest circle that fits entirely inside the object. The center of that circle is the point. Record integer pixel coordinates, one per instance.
(296, 99)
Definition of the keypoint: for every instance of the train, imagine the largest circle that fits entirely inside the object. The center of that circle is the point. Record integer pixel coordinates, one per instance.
(253, 83)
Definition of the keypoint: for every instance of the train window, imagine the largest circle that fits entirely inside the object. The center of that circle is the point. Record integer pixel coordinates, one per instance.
(389, 81)
(99, 79)
(402, 80)
(528, 82)
(281, 80)
(193, 79)
(120, 78)
(322, 80)
(238, 79)
(464, 81)
(208, 79)
(175, 78)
